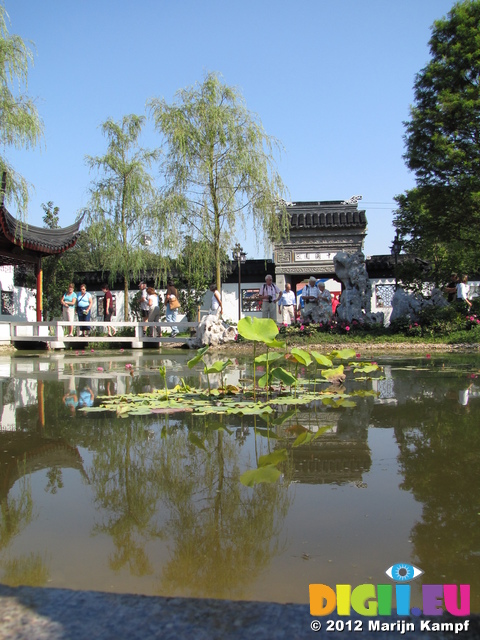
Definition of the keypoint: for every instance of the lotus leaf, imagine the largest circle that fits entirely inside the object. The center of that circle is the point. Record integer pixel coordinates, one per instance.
(195, 440)
(252, 477)
(275, 344)
(281, 374)
(268, 357)
(321, 359)
(343, 354)
(273, 458)
(301, 356)
(367, 368)
(257, 329)
(196, 359)
(218, 367)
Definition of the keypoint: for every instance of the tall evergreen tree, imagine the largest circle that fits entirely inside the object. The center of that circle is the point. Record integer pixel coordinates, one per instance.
(122, 211)
(441, 216)
(20, 124)
(218, 167)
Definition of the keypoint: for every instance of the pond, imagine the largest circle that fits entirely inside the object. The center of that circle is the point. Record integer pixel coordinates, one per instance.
(153, 504)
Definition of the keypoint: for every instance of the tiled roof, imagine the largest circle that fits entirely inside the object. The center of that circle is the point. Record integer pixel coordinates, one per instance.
(329, 213)
(38, 239)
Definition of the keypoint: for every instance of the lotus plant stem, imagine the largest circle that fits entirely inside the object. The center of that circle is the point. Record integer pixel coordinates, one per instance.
(254, 370)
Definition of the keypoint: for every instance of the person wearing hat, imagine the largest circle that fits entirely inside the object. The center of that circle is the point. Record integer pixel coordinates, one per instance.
(144, 307)
(310, 294)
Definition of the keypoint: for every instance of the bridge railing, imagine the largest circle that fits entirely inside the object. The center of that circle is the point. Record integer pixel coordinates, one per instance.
(54, 332)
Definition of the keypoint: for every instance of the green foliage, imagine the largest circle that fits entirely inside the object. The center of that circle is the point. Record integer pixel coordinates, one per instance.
(434, 322)
(440, 219)
(20, 124)
(219, 167)
(123, 209)
(257, 329)
(195, 265)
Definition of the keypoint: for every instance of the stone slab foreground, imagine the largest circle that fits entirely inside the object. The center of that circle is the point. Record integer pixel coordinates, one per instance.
(28, 613)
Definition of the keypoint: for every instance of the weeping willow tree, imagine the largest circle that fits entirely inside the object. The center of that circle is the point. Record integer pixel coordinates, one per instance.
(220, 173)
(123, 215)
(20, 124)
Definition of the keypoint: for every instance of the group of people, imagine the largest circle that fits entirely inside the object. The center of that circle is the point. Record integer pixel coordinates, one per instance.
(314, 295)
(82, 303)
(150, 306)
(457, 290)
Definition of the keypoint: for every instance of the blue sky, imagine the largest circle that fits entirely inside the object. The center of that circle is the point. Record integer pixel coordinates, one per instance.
(332, 80)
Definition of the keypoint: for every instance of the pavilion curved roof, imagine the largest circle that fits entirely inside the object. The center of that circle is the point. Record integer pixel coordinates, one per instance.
(23, 242)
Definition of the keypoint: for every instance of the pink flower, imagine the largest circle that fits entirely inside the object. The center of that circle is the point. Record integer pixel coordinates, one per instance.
(415, 324)
(347, 328)
(285, 324)
(428, 355)
(122, 350)
(358, 355)
(77, 352)
(92, 350)
(302, 327)
(99, 368)
(83, 351)
(473, 375)
(129, 366)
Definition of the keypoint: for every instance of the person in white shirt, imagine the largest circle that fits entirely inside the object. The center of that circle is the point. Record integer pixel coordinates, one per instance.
(144, 307)
(216, 307)
(286, 305)
(310, 295)
(462, 294)
(269, 295)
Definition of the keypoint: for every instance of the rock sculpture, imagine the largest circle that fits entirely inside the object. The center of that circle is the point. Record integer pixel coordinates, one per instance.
(355, 301)
(212, 331)
(409, 305)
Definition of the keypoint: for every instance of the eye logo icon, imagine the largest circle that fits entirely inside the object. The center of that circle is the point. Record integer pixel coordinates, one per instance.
(402, 572)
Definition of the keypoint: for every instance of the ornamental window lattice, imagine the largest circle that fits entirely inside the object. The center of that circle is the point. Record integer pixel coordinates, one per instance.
(384, 294)
(249, 304)
(7, 303)
(100, 308)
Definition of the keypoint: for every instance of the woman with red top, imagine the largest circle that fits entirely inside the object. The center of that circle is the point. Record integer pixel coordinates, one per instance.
(108, 308)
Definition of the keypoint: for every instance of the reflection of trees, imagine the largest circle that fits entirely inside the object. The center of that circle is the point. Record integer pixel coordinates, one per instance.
(440, 458)
(127, 488)
(15, 513)
(221, 533)
(29, 570)
(224, 534)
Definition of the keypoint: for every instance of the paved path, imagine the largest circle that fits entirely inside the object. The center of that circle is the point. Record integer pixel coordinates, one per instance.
(28, 613)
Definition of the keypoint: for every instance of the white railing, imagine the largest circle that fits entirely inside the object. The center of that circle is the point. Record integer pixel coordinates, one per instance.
(54, 332)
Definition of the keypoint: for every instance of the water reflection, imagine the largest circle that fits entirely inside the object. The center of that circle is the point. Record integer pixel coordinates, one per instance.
(155, 512)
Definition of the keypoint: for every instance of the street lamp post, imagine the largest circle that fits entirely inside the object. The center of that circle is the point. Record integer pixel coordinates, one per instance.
(395, 249)
(240, 256)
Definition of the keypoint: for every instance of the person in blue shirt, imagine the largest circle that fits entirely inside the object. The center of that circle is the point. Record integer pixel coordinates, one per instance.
(69, 301)
(286, 305)
(84, 306)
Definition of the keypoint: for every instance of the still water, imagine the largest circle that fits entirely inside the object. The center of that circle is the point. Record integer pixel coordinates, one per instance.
(133, 505)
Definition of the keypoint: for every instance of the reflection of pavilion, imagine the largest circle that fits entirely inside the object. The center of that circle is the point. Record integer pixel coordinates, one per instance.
(22, 454)
(330, 460)
(339, 455)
